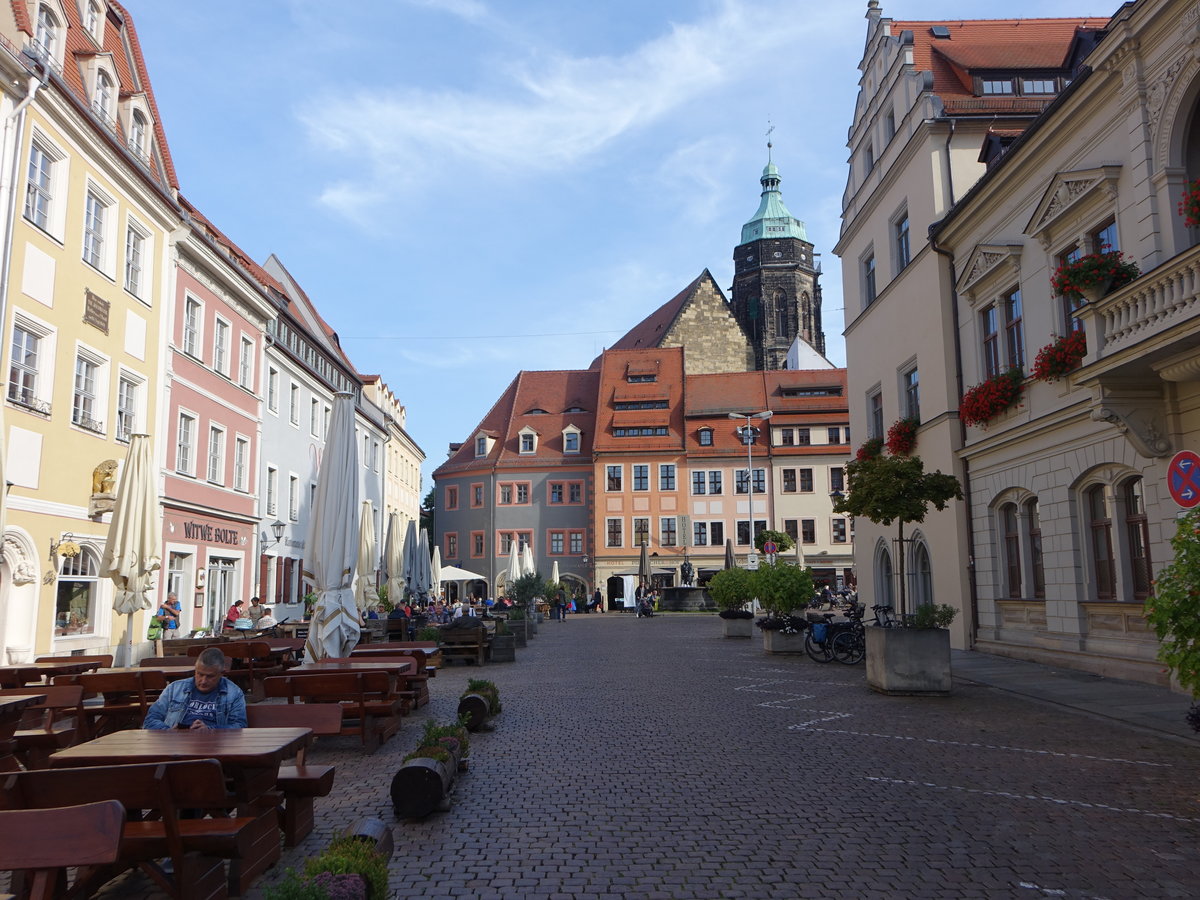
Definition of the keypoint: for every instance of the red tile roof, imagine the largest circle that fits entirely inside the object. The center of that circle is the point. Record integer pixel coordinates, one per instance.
(616, 366)
(651, 330)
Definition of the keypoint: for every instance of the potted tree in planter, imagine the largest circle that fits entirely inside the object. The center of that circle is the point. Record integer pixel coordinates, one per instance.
(783, 588)
(731, 590)
(524, 593)
(886, 489)
(1173, 610)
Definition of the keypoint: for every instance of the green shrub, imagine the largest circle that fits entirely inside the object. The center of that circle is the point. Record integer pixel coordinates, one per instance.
(731, 589)
(931, 615)
(425, 751)
(294, 886)
(350, 855)
(1173, 610)
(782, 587)
(487, 689)
(430, 633)
(434, 732)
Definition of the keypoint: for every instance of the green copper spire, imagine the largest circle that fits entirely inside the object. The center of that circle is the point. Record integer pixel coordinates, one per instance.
(772, 219)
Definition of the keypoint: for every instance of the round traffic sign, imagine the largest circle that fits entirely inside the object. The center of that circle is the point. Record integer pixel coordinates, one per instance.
(770, 548)
(1183, 478)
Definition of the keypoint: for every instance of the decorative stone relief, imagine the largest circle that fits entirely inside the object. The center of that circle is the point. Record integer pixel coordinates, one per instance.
(1065, 191)
(1140, 418)
(20, 564)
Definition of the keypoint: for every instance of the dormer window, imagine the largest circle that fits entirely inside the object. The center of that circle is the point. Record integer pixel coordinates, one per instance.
(571, 439)
(94, 20)
(481, 446)
(527, 440)
(46, 34)
(705, 437)
(103, 99)
(137, 133)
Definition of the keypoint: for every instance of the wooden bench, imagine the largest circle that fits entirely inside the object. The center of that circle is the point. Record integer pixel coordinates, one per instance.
(467, 644)
(369, 708)
(151, 662)
(252, 662)
(56, 722)
(412, 686)
(101, 660)
(433, 654)
(42, 843)
(195, 846)
(300, 782)
(125, 698)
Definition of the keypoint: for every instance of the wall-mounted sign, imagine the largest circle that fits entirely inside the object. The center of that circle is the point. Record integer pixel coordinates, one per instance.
(95, 311)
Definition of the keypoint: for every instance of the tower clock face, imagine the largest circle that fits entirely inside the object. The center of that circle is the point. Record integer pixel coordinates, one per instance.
(750, 258)
(777, 254)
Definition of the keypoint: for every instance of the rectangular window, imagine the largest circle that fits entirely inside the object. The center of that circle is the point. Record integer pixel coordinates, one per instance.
(451, 545)
(991, 87)
(126, 407)
(705, 436)
(246, 364)
(135, 249)
(837, 479)
(743, 533)
(556, 492)
(38, 188)
(523, 492)
(216, 455)
(759, 481)
(789, 481)
(900, 233)
(1013, 335)
(94, 214)
(787, 437)
(294, 404)
(273, 390)
(23, 370)
(476, 496)
(806, 481)
(191, 327)
(612, 528)
(990, 339)
(839, 531)
(834, 436)
(875, 415)
(803, 437)
(910, 385)
(481, 447)
(868, 268)
(241, 464)
(185, 443)
(570, 442)
(699, 483)
(714, 482)
(221, 347)
(1071, 302)
(476, 544)
(1037, 86)
(506, 495)
(272, 491)
(667, 533)
(889, 125)
(451, 497)
(293, 498)
(808, 531)
(1104, 239)
(527, 443)
(666, 477)
(575, 492)
(576, 538)
(699, 534)
(84, 407)
(641, 478)
(614, 479)
(557, 539)
(791, 529)
(641, 531)
(716, 533)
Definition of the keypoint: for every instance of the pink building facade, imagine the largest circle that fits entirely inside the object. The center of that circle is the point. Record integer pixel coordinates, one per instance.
(214, 427)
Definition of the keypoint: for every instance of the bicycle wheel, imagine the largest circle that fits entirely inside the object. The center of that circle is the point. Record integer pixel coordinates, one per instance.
(849, 648)
(818, 651)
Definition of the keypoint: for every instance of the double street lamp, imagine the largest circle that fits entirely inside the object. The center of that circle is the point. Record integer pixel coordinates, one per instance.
(749, 432)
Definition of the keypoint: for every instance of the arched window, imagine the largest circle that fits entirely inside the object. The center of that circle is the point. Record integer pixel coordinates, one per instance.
(46, 33)
(1137, 537)
(779, 303)
(1012, 548)
(922, 575)
(1100, 528)
(95, 15)
(104, 95)
(75, 611)
(137, 132)
(1034, 521)
(883, 578)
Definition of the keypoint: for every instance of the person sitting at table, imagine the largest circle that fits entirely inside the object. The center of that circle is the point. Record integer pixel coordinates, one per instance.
(235, 613)
(266, 620)
(206, 700)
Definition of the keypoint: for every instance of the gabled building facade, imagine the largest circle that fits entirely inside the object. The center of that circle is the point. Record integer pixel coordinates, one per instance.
(403, 457)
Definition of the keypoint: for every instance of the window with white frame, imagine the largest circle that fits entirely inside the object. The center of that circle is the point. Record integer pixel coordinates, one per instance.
(46, 34)
(39, 188)
(94, 19)
(272, 491)
(868, 279)
(185, 445)
(910, 393)
(741, 482)
(528, 440)
(667, 535)
(293, 498)
(839, 531)
(900, 239)
(103, 101)
(216, 454)
(95, 213)
(76, 610)
(135, 249)
(128, 389)
(641, 531)
(241, 464)
(989, 338)
(570, 440)
(613, 478)
(666, 477)
(192, 314)
(85, 406)
(613, 529)
(314, 420)
(641, 477)
(138, 129)
(246, 364)
(294, 404)
(24, 368)
(705, 437)
(221, 346)
(1014, 336)
(875, 414)
(273, 389)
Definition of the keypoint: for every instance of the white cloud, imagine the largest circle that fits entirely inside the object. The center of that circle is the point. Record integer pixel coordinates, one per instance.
(544, 112)
(470, 10)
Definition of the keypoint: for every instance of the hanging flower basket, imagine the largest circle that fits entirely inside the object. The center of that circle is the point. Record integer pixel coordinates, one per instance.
(1060, 356)
(871, 448)
(1094, 275)
(902, 437)
(1189, 206)
(983, 402)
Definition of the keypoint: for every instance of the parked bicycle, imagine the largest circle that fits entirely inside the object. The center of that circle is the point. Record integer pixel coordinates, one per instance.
(850, 645)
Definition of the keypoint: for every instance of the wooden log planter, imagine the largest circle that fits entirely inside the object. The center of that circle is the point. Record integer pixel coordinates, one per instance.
(479, 703)
(423, 783)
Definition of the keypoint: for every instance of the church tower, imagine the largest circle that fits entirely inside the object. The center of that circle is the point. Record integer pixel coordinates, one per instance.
(776, 289)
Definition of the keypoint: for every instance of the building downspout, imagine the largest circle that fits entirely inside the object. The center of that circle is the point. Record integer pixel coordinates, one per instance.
(973, 591)
(949, 179)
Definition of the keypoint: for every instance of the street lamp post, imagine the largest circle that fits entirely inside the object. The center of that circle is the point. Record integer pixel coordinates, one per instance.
(748, 432)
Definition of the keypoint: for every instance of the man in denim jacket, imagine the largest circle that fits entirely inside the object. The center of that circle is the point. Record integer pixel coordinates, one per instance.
(206, 700)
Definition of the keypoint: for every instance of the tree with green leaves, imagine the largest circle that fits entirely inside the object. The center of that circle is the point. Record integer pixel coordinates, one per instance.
(782, 587)
(1174, 608)
(732, 589)
(886, 489)
(781, 538)
(526, 588)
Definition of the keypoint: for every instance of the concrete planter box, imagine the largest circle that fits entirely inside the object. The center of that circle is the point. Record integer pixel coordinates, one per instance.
(909, 660)
(504, 648)
(738, 628)
(778, 642)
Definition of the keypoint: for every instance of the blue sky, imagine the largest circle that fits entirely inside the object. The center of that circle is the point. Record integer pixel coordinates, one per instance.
(468, 188)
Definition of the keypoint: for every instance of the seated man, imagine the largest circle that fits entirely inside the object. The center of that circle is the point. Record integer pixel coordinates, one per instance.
(206, 700)
(266, 620)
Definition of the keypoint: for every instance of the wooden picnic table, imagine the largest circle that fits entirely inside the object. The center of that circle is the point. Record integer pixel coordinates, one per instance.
(365, 665)
(11, 707)
(171, 673)
(23, 673)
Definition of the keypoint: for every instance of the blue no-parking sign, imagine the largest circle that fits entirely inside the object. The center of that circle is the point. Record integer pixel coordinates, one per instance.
(1183, 478)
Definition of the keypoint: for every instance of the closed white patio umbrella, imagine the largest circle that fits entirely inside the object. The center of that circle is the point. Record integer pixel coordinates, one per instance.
(554, 572)
(394, 559)
(435, 572)
(528, 567)
(134, 548)
(334, 539)
(513, 572)
(364, 585)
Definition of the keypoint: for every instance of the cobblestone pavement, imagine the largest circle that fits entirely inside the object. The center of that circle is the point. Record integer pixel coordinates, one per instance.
(655, 759)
